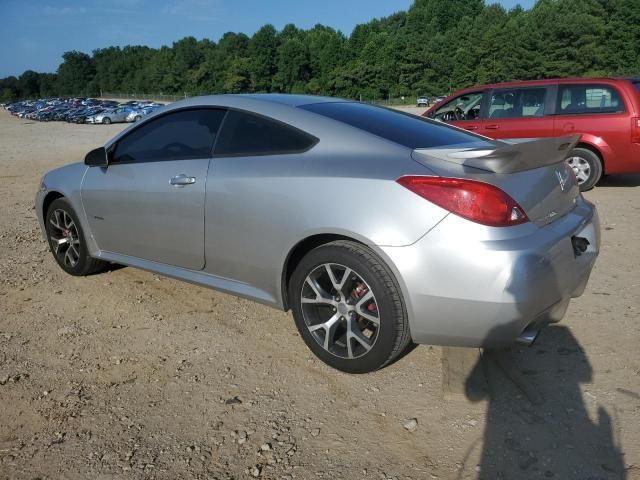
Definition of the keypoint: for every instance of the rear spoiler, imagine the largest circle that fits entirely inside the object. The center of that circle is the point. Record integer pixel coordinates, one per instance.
(508, 156)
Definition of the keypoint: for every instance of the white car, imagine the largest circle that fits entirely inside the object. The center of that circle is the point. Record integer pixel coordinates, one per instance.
(116, 115)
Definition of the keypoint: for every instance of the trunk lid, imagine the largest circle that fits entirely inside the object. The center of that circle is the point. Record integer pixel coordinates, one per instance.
(531, 171)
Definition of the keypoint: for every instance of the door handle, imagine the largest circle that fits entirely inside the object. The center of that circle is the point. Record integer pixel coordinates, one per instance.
(182, 180)
(471, 127)
(492, 127)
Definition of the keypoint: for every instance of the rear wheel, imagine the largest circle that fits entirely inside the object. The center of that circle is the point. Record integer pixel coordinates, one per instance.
(587, 166)
(348, 307)
(67, 240)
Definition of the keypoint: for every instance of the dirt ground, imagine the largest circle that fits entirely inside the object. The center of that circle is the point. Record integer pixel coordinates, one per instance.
(128, 375)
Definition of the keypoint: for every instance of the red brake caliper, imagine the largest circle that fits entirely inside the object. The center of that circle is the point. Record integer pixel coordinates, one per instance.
(358, 292)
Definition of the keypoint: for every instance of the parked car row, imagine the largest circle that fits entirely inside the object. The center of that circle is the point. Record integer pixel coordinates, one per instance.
(604, 111)
(82, 110)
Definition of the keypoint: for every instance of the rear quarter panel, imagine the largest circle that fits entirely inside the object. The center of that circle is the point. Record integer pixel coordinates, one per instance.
(259, 208)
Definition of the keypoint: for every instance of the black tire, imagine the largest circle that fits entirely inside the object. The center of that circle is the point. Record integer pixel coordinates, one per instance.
(392, 335)
(588, 167)
(84, 264)
(106, 120)
(137, 118)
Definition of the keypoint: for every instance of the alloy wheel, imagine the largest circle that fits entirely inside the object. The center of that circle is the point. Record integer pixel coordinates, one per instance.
(64, 237)
(581, 168)
(340, 310)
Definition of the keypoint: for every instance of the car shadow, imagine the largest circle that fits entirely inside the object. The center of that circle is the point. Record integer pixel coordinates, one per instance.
(542, 421)
(538, 424)
(620, 181)
(111, 267)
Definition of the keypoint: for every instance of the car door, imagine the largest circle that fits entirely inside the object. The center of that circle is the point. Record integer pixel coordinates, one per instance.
(519, 113)
(244, 233)
(597, 111)
(464, 111)
(121, 115)
(149, 202)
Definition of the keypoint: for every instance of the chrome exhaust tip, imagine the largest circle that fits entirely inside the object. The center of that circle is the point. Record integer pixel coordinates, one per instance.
(528, 337)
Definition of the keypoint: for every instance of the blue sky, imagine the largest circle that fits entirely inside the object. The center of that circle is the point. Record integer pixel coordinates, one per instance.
(35, 33)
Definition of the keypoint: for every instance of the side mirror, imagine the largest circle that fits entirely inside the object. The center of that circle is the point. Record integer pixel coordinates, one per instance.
(97, 158)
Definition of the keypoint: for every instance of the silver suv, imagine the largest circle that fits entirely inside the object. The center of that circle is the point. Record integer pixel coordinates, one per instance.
(423, 101)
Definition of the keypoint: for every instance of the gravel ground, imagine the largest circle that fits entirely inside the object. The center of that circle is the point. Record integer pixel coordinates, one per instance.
(128, 375)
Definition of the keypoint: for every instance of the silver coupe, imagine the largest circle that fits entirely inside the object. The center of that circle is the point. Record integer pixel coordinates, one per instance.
(375, 227)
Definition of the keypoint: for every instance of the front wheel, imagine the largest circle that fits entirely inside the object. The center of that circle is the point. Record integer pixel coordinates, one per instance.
(348, 307)
(106, 120)
(587, 166)
(67, 240)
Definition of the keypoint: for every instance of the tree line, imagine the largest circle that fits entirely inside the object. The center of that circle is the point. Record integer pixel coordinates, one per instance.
(433, 47)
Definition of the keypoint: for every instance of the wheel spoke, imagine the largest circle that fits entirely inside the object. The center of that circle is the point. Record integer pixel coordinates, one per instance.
(338, 285)
(356, 334)
(58, 242)
(321, 295)
(67, 256)
(329, 328)
(365, 298)
(56, 217)
(68, 222)
(367, 316)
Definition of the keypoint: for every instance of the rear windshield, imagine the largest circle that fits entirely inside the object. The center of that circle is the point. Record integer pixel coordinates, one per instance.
(403, 128)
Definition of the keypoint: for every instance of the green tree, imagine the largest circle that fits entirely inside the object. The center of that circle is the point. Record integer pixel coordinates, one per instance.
(75, 73)
(263, 51)
(432, 48)
(238, 76)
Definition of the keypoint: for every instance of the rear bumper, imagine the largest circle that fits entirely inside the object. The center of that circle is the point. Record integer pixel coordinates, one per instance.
(469, 285)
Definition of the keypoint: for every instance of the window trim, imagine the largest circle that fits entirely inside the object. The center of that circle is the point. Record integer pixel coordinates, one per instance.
(558, 112)
(111, 149)
(314, 140)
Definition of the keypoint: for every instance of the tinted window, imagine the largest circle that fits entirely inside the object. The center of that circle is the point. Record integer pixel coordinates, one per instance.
(403, 128)
(176, 136)
(246, 134)
(517, 103)
(577, 99)
(463, 107)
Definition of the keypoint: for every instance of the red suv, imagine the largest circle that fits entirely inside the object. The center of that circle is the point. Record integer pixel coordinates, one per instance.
(606, 111)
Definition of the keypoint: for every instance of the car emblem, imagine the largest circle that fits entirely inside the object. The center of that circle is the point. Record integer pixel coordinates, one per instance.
(562, 180)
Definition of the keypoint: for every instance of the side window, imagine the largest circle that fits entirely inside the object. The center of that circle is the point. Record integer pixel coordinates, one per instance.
(463, 107)
(517, 103)
(585, 99)
(247, 134)
(178, 135)
(533, 100)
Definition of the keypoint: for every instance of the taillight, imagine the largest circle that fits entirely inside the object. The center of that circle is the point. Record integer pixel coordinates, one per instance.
(635, 129)
(476, 201)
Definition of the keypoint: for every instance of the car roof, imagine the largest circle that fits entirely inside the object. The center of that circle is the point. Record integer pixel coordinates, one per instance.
(255, 99)
(288, 99)
(546, 81)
